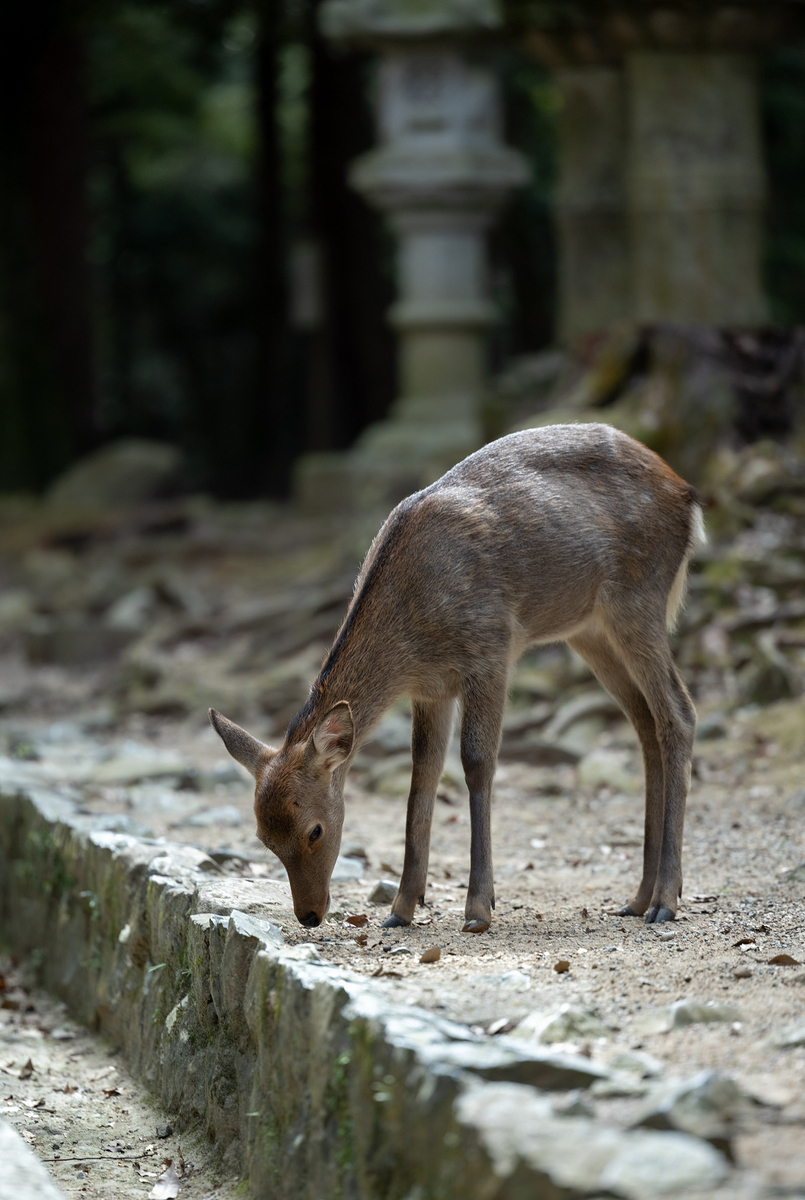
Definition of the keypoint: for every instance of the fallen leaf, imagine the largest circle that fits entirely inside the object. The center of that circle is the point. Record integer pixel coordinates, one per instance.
(113, 1091)
(388, 867)
(361, 939)
(431, 955)
(27, 1071)
(744, 941)
(784, 960)
(167, 1186)
(562, 966)
(358, 920)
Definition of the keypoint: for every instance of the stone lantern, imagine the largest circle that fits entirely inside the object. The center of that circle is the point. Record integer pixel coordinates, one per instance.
(440, 172)
(661, 164)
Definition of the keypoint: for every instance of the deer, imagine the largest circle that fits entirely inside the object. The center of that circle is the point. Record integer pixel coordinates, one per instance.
(573, 533)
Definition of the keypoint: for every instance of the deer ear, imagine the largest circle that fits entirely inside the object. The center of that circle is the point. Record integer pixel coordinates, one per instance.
(334, 736)
(245, 749)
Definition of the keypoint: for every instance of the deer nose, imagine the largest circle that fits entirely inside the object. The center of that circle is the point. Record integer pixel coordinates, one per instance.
(311, 920)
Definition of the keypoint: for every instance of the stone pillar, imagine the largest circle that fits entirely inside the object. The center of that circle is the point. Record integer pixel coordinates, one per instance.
(689, 169)
(696, 188)
(440, 172)
(590, 201)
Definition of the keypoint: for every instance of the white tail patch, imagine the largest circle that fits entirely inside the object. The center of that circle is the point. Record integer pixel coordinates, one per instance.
(676, 596)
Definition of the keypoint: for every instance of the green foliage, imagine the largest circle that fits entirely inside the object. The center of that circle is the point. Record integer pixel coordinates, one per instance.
(172, 101)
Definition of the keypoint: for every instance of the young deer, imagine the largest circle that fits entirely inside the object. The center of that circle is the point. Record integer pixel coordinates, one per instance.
(570, 533)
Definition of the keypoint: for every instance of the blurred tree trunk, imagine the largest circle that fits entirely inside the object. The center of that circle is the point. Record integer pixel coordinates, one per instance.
(278, 423)
(47, 409)
(357, 273)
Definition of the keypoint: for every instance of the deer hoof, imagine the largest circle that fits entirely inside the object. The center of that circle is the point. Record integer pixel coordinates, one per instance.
(394, 922)
(659, 913)
(627, 911)
(475, 927)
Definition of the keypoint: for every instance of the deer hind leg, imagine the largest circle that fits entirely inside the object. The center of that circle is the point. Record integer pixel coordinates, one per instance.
(612, 675)
(480, 739)
(430, 735)
(647, 657)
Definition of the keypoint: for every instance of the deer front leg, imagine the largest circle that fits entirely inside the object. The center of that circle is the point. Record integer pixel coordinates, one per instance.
(480, 738)
(430, 735)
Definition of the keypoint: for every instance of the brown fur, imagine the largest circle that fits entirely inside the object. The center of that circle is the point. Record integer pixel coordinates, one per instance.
(573, 533)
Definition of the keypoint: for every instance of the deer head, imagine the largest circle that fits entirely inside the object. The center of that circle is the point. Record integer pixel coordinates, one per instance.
(299, 801)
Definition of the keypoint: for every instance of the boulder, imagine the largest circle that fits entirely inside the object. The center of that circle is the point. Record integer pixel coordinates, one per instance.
(119, 475)
(708, 1105)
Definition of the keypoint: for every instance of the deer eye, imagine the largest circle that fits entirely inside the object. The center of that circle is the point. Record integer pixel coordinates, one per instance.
(316, 834)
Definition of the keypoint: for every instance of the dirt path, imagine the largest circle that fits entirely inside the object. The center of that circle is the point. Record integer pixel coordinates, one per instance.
(75, 1104)
(567, 853)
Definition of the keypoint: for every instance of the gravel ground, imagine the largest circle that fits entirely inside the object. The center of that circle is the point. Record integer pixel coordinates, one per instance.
(567, 854)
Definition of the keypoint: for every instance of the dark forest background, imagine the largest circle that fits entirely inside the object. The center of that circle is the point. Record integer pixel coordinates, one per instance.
(181, 256)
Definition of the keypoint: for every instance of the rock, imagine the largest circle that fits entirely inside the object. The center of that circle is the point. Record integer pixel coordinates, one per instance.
(224, 773)
(792, 1035)
(608, 768)
(708, 1105)
(164, 1131)
(531, 747)
(128, 472)
(383, 892)
(431, 955)
(562, 966)
(591, 703)
(347, 868)
(743, 972)
(568, 1024)
(796, 875)
(71, 639)
(618, 1087)
(636, 1062)
(23, 1176)
(179, 860)
(133, 612)
(520, 980)
(662, 1163)
(574, 1104)
(508, 1058)
(687, 1012)
(537, 1153)
(16, 607)
(713, 725)
(399, 950)
(227, 814)
(133, 767)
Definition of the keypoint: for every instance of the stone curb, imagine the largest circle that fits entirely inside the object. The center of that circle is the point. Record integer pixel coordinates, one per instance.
(311, 1082)
(22, 1176)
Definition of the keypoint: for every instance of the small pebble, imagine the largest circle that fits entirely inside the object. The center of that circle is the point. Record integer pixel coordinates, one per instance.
(383, 892)
(399, 950)
(668, 935)
(431, 955)
(164, 1131)
(743, 972)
